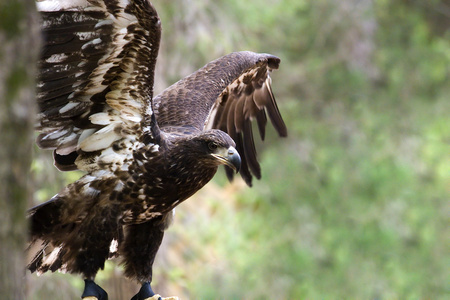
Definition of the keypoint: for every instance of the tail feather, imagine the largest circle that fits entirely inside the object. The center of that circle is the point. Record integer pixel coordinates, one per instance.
(47, 258)
(44, 221)
(44, 217)
(74, 230)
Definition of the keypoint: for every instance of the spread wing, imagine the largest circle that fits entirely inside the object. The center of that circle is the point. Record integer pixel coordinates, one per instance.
(226, 94)
(95, 80)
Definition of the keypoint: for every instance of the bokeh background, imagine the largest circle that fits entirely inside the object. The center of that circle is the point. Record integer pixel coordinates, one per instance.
(354, 204)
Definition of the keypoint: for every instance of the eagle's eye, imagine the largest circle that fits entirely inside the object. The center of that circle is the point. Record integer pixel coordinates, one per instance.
(212, 146)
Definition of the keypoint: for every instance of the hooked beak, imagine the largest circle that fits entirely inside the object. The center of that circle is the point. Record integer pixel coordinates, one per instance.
(229, 157)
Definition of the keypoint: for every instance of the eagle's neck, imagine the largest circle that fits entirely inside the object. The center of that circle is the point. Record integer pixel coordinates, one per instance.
(160, 180)
(188, 172)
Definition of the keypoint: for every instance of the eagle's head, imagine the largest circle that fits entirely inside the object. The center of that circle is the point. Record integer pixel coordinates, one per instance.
(213, 147)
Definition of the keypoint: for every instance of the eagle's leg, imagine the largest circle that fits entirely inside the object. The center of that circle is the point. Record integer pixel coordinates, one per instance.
(92, 291)
(139, 249)
(145, 293)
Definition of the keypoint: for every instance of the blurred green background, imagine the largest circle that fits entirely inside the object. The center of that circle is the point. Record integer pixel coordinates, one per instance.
(354, 204)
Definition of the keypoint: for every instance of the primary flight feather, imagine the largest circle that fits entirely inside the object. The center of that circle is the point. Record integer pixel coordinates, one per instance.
(142, 155)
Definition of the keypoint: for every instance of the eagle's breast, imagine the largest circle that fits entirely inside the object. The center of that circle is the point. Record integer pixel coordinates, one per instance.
(160, 180)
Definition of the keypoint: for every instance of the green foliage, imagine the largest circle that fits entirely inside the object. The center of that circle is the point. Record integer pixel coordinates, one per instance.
(15, 80)
(11, 14)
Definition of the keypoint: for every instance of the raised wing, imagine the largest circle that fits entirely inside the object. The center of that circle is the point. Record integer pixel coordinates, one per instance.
(95, 82)
(226, 94)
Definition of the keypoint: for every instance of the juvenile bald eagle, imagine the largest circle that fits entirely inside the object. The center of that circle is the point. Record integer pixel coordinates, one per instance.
(142, 155)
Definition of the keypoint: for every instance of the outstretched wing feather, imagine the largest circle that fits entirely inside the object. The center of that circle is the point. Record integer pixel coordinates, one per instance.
(226, 94)
(253, 96)
(95, 80)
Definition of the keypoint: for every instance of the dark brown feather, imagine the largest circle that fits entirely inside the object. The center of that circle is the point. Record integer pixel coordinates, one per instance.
(250, 150)
(261, 120)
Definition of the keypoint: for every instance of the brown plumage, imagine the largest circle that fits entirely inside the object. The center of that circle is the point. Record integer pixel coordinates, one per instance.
(142, 155)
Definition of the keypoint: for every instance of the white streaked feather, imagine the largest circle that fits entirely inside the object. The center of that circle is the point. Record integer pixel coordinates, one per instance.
(114, 246)
(84, 36)
(82, 64)
(85, 134)
(101, 173)
(103, 118)
(49, 259)
(68, 107)
(111, 159)
(124, 19)
(211, 116)
(56, 58)
(67, 144)
(66, 150)
(88, 178)
(54, 135)
(132, 117)
(100, 140)
(103, 23)
(57, 5)
(119, 186)
(93, 42)
(89, 191)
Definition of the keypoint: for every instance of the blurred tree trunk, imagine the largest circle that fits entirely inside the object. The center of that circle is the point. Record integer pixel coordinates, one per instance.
(19, 41)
